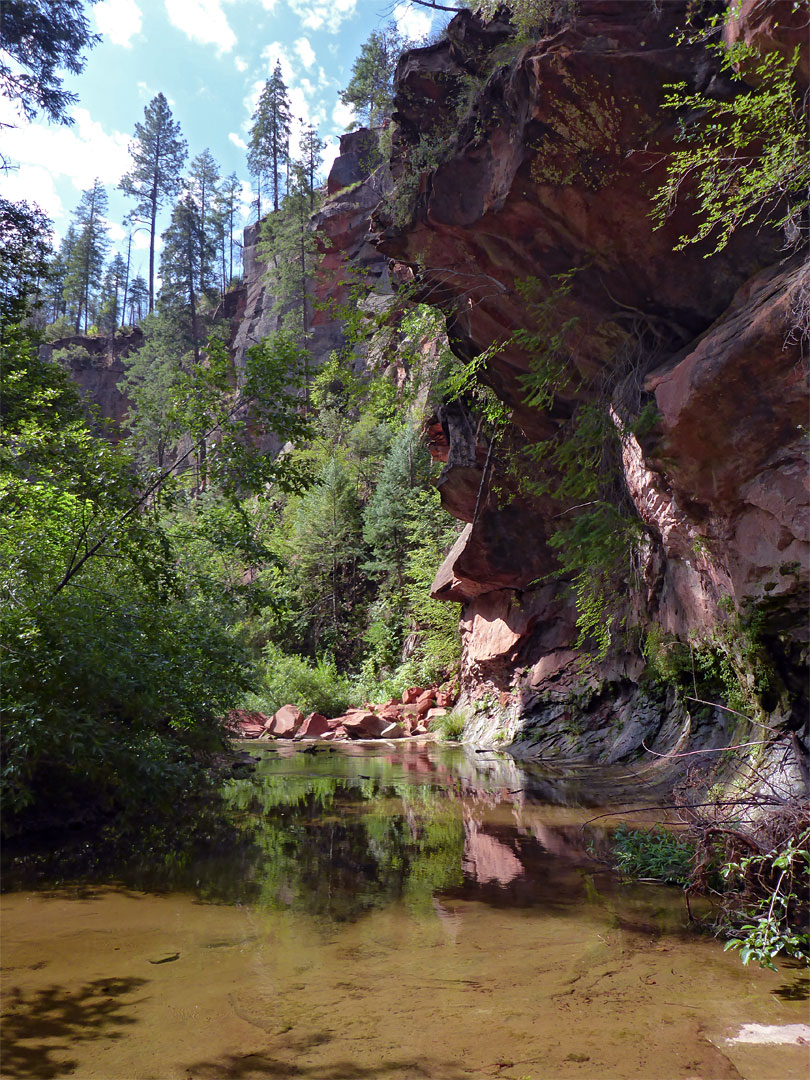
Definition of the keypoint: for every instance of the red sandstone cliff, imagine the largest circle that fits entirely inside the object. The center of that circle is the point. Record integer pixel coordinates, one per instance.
(552, 167)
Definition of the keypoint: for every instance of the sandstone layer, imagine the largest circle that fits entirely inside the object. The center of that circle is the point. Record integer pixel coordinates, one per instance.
(526, 174)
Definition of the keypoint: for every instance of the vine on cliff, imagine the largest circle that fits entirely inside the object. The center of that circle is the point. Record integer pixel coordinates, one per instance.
(746, 158)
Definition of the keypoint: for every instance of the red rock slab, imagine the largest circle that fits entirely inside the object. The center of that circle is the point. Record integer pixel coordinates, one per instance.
(392, 731)
(392, 704)
(412, 695)
(445, 699)
(433, 713)
(366, 725)
(391, 712)
(248, 731)
(285, 722)
(240, 720)
(334, 734)
(313, 727)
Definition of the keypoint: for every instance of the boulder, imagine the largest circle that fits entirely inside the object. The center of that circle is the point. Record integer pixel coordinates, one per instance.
(391, 712)
(432, 714)
(244, 724)
(313, 727)
(361, 724)
(445, 699)
(412, 695)
(392, 731)
(425, 703)
(285, 722)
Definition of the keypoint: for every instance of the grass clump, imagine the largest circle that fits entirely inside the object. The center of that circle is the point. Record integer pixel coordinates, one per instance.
(449, 727)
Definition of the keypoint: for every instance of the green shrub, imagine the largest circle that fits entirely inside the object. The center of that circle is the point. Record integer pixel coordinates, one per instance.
(449, 727)
(776, 921)
(652, 853)
(288, 679)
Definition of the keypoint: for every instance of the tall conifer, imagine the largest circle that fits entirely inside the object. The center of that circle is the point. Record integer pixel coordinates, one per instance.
(202, 187)
(158, 154)
(269, 136)
(86, 264)
(312, 147)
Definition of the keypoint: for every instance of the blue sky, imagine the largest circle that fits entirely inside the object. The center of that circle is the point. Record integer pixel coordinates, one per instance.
(210, 59)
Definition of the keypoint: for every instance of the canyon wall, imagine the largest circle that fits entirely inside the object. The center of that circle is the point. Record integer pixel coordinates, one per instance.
(96, 365)
(524, 181)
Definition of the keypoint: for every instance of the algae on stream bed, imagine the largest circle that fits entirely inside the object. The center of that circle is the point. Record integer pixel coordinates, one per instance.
(405, 912)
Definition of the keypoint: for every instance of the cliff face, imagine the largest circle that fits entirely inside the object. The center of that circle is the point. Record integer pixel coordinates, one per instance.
(522, 164)
(342, 232)
(96, 364)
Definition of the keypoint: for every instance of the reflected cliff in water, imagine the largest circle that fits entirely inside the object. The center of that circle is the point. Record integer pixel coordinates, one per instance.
(382, 912)
(337, 833)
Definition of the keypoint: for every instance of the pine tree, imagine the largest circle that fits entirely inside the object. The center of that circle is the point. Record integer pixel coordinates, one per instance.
(327, 544)
(137, 299)
(311, 146)
(180, 269)
(40, 38)
(386, 517)
(202, 187)
(291, 251)
(86, 265)
(371, 87)
(227, 202)
(152, 374)
(112, 295)
(57, 274)
(269, 137)
(25, 253)
(158, 154)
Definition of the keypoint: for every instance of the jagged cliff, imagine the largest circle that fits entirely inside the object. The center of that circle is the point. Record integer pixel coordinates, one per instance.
(96, 364)
(521, 163)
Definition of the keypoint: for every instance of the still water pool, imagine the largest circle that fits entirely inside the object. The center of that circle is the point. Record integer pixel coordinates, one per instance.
(381, 912)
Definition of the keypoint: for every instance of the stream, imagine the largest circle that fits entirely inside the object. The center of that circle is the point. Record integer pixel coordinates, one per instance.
(382, 911)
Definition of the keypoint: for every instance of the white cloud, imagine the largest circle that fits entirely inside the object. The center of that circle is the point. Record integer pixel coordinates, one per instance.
(33, 183)
(79, 153)
(306, 54)
(146, 92)
(342, 115)
(202, 21)
(237, 140)
(118, 20)
(117, 233)
(330, 152)
(273, 52)
(269, 5)
(247, 197)
(323, 14)
(413, 23)
(241, 65)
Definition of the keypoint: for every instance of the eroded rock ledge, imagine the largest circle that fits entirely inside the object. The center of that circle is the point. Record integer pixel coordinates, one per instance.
(543, 160)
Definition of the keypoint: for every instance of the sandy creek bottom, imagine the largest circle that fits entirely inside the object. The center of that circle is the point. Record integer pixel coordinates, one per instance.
(387, 912)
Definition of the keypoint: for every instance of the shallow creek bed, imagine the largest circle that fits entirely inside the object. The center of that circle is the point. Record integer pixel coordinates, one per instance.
(388, 911)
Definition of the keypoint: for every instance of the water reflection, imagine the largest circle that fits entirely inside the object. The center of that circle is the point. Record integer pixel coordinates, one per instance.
(337, 833)
(369, 913)
(342, 832)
